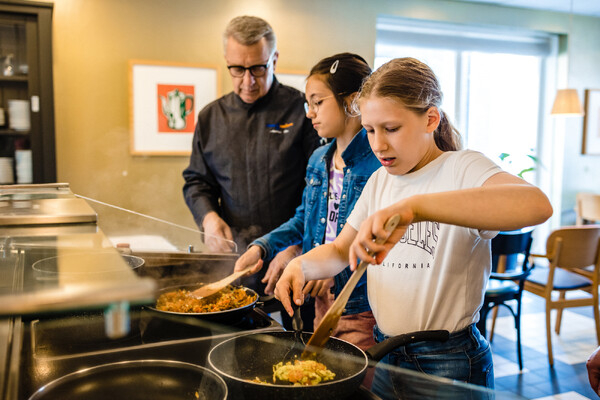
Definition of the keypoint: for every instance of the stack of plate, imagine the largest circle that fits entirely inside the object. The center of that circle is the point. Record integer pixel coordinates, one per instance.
(18, 115)
(24, 166)
(6, 170)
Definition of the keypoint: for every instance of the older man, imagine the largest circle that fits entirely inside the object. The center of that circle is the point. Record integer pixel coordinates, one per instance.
(250, 147)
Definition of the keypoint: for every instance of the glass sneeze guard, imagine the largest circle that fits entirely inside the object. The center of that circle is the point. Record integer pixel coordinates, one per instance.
(54, 258)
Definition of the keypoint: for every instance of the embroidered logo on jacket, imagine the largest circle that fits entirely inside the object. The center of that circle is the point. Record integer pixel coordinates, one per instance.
(280, 128)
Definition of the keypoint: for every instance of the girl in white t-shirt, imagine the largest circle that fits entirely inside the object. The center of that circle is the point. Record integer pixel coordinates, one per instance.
(432, 270)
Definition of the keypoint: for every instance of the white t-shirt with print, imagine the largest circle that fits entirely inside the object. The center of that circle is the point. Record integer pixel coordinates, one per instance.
(435, 276)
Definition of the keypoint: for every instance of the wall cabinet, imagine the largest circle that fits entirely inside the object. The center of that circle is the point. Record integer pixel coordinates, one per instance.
(27, 144)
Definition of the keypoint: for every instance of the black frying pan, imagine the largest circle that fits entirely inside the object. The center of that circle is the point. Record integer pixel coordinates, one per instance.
(137, 380)
(228, 317)
(243, 358)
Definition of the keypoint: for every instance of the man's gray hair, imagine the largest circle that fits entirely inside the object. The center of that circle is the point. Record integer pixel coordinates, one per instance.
(248, 30)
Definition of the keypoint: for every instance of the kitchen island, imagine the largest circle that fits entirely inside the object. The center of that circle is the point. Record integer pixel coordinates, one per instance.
(78, 293)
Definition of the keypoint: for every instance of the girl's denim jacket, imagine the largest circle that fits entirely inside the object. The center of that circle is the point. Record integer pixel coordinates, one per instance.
(309, 223)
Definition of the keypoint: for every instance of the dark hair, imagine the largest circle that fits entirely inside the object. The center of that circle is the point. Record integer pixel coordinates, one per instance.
(414, 84)
(343, 73)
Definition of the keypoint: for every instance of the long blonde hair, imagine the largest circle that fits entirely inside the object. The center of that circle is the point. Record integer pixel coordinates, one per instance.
(414, 84)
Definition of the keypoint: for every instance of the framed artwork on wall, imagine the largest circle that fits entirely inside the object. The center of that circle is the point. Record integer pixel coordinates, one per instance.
(164, 101)
(591, 123)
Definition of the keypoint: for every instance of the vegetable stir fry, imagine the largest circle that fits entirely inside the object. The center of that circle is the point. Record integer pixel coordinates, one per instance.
(182, 301)
(302, 372)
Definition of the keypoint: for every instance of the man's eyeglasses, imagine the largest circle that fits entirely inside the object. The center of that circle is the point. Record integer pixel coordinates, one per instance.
(257, 71)
(313, 105)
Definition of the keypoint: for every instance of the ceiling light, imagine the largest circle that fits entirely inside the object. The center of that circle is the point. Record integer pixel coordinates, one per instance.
(567, 103)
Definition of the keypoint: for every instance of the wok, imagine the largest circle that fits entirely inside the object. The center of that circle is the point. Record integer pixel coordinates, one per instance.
(137, 380)
(229, 317)
(243, 358)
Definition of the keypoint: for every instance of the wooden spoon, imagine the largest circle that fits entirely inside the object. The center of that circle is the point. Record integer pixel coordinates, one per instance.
(332, 317)
(214, 287)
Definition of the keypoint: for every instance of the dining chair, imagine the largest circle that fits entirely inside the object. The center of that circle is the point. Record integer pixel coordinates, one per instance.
(507, 281)
(568, 250)
(587, 208)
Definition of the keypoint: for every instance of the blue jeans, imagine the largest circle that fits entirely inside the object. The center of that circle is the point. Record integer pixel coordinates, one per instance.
(465, 357)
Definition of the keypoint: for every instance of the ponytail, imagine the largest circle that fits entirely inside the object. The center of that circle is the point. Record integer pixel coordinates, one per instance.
(447, 137)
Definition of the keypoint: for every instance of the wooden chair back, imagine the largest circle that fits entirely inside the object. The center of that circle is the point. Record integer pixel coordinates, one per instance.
(571, 248)
(574, 246)
(587, 207)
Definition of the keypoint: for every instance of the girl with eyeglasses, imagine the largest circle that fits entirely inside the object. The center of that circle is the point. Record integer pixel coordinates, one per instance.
(335, 176)
(431, 272)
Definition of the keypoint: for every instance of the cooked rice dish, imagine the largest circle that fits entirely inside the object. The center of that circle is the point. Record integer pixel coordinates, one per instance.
(182, 301)
(302, 372)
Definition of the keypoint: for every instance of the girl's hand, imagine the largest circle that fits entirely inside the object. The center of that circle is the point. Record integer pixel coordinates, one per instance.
(372, 230)
(318, 288)
(250, 257)
(277, 265)
(291, 283)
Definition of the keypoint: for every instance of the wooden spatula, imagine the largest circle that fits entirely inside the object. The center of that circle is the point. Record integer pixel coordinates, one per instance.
(214, 287)
(332, 317)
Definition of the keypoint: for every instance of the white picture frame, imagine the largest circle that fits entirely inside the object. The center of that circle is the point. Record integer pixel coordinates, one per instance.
(165, 98)
(591, 123)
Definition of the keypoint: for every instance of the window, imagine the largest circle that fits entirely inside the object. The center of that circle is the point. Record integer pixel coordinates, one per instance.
(492, 79)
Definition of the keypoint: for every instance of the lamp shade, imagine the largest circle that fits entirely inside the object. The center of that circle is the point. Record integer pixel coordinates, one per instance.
(567, 103)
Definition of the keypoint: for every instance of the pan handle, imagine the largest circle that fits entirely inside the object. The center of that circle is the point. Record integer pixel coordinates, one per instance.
(378, 351)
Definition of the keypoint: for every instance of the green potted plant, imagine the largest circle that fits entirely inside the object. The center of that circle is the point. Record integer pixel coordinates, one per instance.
(519, 164)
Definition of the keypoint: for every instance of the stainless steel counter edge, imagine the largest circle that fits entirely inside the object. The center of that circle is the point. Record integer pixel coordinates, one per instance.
(141, 290)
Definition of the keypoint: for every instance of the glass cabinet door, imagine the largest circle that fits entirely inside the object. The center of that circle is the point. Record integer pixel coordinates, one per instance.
(26, 141)
(13, 49)
(15, 110)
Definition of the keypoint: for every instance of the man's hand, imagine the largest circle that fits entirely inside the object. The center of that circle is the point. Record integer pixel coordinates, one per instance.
(277, 265)
(217, 234)
(593, 368)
